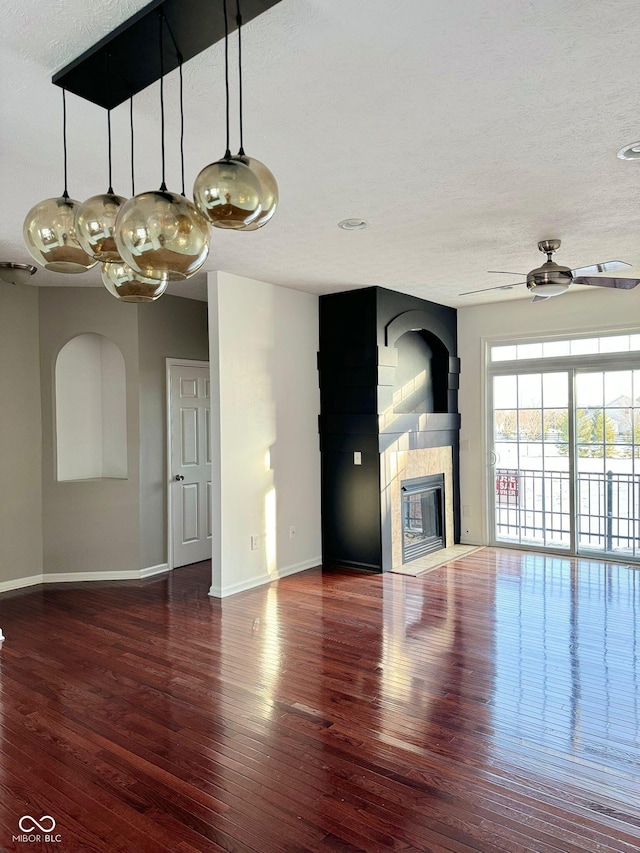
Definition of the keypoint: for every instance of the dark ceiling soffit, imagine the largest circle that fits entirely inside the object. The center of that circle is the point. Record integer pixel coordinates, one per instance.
(128, 60)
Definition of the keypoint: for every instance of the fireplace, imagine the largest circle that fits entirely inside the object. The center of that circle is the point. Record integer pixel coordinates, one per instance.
(422, 516)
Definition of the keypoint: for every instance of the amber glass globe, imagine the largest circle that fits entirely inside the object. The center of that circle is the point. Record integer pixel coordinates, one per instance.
(50, 236)
(95, 226)
(162, 236)
(127, 286)
(269, 191)
(228, 193)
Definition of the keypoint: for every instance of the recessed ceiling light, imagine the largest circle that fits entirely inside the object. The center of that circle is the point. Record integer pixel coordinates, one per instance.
(354, 224)
(630, 152)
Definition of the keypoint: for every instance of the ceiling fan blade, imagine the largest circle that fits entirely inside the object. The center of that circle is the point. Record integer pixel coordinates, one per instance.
(619, 283)
(499, 287)
(607, 266)
(503, 272)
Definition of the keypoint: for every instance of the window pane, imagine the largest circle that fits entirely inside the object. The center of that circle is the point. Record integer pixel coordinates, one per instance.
(505, 424)
(617, 388)
(553, 349)
(555, 389)
(503, 353)
(589, 389)
(530, 425)
(529, 351)
(556, 425)
(530, 391)
(584, 346)
(531, 456)
(617, 343)
(505, 392)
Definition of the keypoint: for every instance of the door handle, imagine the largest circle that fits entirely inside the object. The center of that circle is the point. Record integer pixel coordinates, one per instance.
(179, 477)
(493, 458)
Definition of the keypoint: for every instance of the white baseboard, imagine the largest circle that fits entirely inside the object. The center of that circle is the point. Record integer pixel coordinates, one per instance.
(19, 583)
(81, 577)
(150, 571)
(260, 580)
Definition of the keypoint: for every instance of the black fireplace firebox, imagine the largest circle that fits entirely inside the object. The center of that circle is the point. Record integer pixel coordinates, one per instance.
(423, 519)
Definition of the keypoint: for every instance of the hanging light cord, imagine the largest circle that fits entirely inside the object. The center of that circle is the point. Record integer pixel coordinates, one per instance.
(239, 23)
(227, 155)
(110, 190)
(180, 59)
(133, 176)
(65, 194)
(163, 186)
(181, 122)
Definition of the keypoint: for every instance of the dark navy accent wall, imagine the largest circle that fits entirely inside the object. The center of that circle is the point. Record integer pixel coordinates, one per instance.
(359, 372)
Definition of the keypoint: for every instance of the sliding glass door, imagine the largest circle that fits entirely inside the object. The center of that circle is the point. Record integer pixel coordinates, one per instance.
(607, 461)
(532, 494)
(566, 460)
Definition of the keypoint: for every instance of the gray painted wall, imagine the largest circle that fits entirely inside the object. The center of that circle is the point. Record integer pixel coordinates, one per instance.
(91, 525)
(20, 434)
(172, 327)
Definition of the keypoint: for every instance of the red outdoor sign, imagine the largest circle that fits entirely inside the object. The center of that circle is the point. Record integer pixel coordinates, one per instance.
(507, 487)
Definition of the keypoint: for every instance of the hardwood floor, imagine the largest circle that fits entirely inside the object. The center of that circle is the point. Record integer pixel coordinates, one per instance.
(491, 705)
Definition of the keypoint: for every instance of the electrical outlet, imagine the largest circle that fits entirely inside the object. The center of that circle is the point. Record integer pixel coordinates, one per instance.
(292, 532)
(466, 510)
(254, 543)
(465, 444)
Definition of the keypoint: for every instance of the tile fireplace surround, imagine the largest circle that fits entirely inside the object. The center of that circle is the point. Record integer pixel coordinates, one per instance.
(399, 465)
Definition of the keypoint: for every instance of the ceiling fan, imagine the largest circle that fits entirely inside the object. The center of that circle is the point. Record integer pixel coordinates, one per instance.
(551, 279)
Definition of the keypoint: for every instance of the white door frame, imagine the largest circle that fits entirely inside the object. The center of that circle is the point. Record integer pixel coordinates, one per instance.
(173, 362)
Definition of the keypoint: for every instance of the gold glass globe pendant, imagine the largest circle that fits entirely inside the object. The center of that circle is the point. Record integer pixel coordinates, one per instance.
(229, 192)
(119, 279)
(49, 227)
(159, 234)
(128, 286)
(266, 180)
(96, 218)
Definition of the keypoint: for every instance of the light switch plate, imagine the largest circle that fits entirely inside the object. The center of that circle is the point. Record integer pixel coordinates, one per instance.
(357, 457)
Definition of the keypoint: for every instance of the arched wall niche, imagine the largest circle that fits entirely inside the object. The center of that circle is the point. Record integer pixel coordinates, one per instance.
(423, 371)
(91, 410)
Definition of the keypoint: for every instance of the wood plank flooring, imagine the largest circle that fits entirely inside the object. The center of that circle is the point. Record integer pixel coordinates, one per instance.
(491, 705)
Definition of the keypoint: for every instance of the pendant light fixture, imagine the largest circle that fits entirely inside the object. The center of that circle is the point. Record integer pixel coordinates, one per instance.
(268, 184)
(118, 278)
(160, 234)
(96, 217)
(228, 192)
(49, 227)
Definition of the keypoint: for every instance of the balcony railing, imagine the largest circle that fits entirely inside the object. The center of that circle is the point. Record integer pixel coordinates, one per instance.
(533, 508)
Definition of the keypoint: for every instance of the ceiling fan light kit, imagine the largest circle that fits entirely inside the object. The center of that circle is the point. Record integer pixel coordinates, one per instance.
(551, 279)
(157, 236)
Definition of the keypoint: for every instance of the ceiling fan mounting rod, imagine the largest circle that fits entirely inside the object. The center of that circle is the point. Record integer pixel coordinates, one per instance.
(548, 247)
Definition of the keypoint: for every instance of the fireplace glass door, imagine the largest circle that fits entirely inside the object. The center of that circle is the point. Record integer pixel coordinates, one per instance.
(422, 516)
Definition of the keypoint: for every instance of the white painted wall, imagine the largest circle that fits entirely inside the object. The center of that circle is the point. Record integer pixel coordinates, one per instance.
(596, 310)
(266, 459)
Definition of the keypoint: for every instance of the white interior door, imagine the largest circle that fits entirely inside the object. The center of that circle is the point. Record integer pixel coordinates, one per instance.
(190, 463)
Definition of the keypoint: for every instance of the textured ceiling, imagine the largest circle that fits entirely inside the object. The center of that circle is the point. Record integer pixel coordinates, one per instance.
(464, 132)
